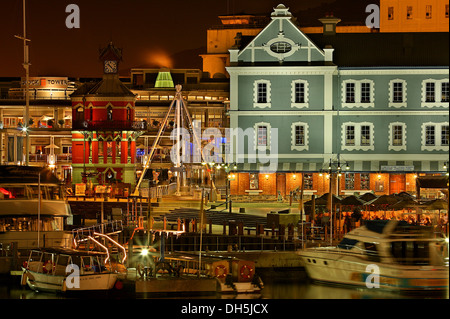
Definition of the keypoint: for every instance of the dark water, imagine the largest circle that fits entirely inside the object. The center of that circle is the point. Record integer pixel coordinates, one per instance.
(277, 285)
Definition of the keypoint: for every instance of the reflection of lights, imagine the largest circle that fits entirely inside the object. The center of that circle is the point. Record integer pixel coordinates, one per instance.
(446, 240)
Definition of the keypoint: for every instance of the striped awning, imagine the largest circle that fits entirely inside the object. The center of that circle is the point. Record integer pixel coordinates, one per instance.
(354, 166)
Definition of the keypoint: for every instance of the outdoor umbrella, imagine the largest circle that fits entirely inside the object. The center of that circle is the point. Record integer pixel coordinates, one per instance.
(383, 202)
(367, 197)
(436, 204)
(352, 200)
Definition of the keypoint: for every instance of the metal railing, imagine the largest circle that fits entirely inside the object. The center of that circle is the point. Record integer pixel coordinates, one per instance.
(105, 228)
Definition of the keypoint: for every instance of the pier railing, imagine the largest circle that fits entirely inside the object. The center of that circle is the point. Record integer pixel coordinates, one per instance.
(112, 227)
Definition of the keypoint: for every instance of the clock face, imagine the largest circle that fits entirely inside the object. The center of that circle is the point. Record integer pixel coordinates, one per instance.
(110, 66)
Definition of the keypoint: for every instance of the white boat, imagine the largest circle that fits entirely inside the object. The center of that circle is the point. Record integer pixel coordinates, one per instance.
(390, 255)
(22, 209)
(61, 270)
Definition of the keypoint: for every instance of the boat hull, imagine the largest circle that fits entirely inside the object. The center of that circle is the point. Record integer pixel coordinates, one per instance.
(53, 283)
(349, 270)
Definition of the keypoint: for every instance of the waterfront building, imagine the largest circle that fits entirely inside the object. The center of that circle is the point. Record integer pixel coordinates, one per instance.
(372, 107)
(395, 16)
(104, 130)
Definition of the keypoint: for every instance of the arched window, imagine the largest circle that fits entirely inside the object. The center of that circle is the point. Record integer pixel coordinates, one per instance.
(100, 146)
(109, 147)
(118, 147)
(109, 114)
(128, 114)
(79, 116)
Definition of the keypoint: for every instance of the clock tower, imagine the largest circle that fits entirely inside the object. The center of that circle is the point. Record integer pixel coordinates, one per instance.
(104, 128)
(110, 58)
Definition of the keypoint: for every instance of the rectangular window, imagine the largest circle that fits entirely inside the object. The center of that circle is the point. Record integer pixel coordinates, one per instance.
(365, 181)
(262, 135)
(365, 135)
(430, 92)
(445, 135)
(428, 12)
(445, 92)
(109, 148)
(350, 93)
(409, 12)
(446, 11)
(365, 92)
(299, 92)
(307, 181)
(100, 148)
(299, 135)
(430, 136)
(262, 92)
(390, 13)
(350, 135)
(349, 181)
(398, 92)
(397, 135)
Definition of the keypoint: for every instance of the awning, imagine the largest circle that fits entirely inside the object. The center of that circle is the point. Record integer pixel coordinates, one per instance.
(432, 181)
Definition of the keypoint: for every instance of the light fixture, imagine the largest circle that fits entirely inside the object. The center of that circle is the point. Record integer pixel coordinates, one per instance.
(267, 176)
(379, 176)
(320, 174)
(294, 177)
(347, 167)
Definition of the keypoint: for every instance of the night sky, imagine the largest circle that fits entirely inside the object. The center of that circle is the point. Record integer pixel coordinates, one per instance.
(151, 33)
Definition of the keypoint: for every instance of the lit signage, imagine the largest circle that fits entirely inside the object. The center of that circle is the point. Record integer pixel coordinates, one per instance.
(46, 82)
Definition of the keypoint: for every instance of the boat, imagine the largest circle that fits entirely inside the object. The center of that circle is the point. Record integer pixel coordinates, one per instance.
(65, 270)
(386, 254)
(32, 196)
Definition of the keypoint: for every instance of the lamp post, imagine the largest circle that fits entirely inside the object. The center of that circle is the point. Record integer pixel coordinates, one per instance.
(334, 169)
(26, 65)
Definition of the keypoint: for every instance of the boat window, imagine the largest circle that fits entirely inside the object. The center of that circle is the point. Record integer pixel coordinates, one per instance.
(8, 192)
(30, 223)
(372, 252)
(410, 252)
(347, 243)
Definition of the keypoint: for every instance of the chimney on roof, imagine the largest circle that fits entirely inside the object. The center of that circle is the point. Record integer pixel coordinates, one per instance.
(329, 23)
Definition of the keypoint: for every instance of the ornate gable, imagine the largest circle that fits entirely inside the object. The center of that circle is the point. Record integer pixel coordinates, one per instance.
(281, 41)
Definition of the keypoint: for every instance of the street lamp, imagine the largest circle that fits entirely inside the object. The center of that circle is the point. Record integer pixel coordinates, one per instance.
(334, 168)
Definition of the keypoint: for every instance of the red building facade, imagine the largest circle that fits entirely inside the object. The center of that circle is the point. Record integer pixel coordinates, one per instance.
(104, 127)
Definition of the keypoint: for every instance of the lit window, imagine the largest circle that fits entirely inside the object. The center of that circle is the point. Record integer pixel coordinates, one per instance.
(365, 181)
(390, 13)
(445, 135)
(409, 12)
(350, 93)
(299, 135)
(435, 93)
(349, 181)
(428, 12)
(430, 137)
(430, 92)
(357, 136)
(435, 136)
(281, 47)
(365, 135)
(261, 94)
(350, 135)
(262, 135)
(308, 181)
(445, 92)
(299, 94)
(397, 135)
(358, 93)
(365, 92)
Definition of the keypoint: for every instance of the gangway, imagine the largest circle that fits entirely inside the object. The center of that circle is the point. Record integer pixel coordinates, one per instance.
(83, 236)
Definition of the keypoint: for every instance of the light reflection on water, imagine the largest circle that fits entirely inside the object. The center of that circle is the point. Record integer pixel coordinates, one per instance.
(277, 285)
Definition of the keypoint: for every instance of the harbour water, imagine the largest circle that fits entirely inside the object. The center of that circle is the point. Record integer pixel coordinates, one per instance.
(277, 285)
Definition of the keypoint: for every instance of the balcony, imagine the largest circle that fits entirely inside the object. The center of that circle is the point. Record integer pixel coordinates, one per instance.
(109, 125)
